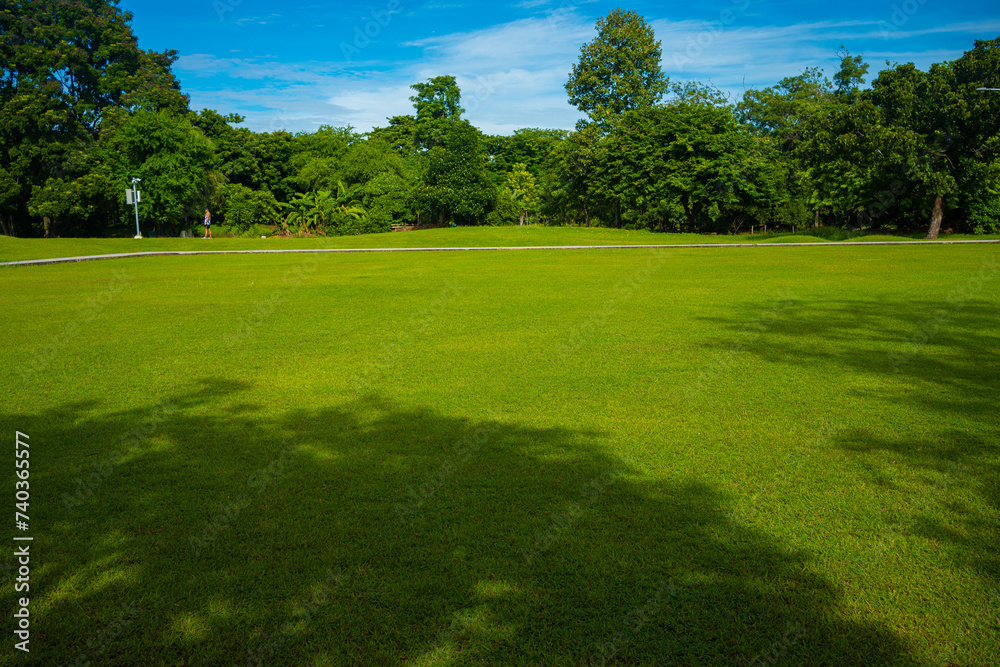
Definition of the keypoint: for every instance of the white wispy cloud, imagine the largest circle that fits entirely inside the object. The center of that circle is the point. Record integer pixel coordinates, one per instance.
(512, 74)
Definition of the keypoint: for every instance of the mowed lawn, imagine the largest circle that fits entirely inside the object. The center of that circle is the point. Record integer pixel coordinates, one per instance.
(17, 249)
(724, 456)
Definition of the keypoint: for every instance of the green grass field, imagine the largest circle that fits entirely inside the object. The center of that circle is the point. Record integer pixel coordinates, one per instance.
(15, 249)
(638, 457)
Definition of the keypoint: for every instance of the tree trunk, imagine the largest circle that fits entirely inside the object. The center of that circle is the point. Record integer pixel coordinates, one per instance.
(618, 215)
(47, 224)
(586, 217)
(521, 218)
(816, 218)
(936, 215)
(8, 230)
(441, 217)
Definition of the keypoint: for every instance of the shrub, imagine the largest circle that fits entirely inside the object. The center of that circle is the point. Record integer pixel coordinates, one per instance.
(243, 208)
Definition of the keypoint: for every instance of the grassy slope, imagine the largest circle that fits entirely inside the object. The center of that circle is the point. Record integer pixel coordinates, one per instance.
(688, 457)
(13, 249)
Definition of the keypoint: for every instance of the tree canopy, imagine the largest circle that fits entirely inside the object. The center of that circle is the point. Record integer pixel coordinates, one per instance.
(619, 70)
(83, 110)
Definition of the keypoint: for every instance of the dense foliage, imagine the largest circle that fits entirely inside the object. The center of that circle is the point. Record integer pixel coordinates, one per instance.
(83, 110)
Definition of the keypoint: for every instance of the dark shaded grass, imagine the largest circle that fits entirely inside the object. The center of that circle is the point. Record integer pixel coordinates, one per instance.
(655, 486)
(449, 581)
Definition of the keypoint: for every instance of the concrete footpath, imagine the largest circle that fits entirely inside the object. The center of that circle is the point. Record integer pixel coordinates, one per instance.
(123, 255)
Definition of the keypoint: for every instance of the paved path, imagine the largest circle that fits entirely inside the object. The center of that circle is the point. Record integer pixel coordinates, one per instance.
(121, 255)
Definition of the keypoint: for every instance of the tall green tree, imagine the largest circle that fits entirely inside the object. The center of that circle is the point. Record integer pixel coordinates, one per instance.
(619, 70)
(175, 160)
(528, 146)
(851, 75)
(956, 128)
(680, 165)
(523, 190)
(437, 103)
(400, 135)
(317, 157)
(572, 188)
(455, 183)
(65, 67)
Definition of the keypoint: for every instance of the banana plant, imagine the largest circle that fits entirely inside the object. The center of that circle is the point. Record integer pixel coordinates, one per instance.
(307, 212)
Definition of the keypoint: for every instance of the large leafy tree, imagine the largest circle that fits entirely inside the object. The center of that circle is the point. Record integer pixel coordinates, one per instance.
(572, 190)
(851, 75)
(953, 160)
(257, 160)
(175, 161)
(792, 115)
(522, 189)
(528, 146)
(400, 135)
(853, 162)
(681, 164)
(437, 103)
(317, 157)
(67, 66)
(455, 184)
(242, 207)
(378, 180)
(782, 112)
(619, 70)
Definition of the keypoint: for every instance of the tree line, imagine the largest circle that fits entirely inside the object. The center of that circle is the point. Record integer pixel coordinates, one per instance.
(83, 110)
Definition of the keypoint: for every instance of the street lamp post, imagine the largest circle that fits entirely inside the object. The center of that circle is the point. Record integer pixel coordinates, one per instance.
(997, 89)
(135, 203)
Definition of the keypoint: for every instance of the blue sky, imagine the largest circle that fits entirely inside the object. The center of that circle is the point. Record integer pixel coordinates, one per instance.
(296, 65)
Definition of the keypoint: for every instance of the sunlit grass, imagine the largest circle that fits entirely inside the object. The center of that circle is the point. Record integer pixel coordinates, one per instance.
(681, 457)
(15, 249)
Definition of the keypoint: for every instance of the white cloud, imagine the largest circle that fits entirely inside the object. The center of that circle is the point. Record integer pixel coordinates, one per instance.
(733, 55)
(512, 74)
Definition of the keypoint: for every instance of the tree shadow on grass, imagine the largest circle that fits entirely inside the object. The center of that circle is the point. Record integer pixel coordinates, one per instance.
(373, 533)
(939, 359)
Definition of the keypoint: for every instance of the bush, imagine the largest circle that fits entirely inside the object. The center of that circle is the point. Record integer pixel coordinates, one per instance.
(504, 210)
(255, 231)
(244, 208)
(342, 223)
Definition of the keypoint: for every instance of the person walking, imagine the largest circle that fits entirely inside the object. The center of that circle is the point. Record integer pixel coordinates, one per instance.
(208, 224)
